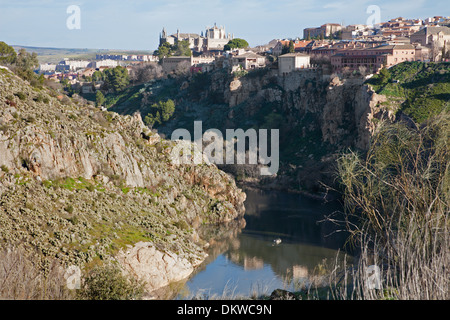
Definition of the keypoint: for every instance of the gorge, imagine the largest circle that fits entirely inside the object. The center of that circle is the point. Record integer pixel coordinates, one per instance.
(85, 187)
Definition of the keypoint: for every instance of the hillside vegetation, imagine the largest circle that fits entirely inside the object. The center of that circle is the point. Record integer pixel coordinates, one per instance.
(398, 191)
(78, 184)
(420, 90)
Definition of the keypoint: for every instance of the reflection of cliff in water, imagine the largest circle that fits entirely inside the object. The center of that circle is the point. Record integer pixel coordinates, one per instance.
(293, 218)
(219, 238)
(288, 260)
(244, 251)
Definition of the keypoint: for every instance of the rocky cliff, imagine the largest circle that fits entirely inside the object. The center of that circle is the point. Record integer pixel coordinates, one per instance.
(81, 185)
(317, 115)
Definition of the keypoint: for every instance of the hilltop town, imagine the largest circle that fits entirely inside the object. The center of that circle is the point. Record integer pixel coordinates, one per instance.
(338, 49)
(360, 114)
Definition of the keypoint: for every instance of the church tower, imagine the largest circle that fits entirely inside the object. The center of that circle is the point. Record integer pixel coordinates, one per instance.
(162, 36)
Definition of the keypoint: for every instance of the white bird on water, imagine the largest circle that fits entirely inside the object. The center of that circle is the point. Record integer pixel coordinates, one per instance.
(277, 241)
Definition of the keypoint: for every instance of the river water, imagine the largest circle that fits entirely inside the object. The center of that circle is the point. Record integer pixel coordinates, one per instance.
(247, 262)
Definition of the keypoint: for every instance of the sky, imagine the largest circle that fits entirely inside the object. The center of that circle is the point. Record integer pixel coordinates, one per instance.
(136, 24)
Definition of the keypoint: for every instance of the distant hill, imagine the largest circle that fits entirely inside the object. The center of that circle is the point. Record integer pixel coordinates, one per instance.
(54, 55)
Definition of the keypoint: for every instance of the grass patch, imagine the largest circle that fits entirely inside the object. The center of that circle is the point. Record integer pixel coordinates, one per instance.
(423, 87)
(74, 184)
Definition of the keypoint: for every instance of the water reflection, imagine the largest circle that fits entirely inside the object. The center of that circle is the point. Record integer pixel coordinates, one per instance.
(244, 260)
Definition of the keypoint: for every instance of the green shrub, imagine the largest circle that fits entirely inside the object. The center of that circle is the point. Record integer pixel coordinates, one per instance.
(108, 283)
(39, 98)
(69, 209)
(22, 96)
(181, 224)
(160, 113)
(30, 119)
(422, 88)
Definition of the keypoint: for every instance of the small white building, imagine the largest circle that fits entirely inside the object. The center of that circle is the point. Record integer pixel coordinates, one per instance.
(105, 63)
(47, 67)
(292, 62)
(247, 61)
(72, 65)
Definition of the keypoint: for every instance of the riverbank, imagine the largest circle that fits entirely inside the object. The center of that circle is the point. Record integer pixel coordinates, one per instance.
(247, 262)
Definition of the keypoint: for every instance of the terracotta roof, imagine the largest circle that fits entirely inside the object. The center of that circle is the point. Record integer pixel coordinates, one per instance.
(299, 44)
(302, 43)
(248, 55)
(395, 46)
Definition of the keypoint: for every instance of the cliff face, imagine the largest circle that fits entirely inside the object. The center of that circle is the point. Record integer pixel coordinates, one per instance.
(349, 112)
(317, 117)
(78, 184)
(344, 109)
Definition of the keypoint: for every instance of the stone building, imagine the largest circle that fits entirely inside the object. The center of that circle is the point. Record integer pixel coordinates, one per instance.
(299, 45)
(372, 59)
(170, 64)
(326, 30)
(292, 62)
(214, 39)
(428, 35)
(247, 61)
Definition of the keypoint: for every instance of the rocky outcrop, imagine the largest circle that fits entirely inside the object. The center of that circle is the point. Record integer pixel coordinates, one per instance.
(351, 112)
(154, 267)
(345, 109)
(79, 184)
(72, 141)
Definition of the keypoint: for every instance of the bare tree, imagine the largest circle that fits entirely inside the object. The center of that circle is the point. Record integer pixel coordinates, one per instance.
(436, 51)
(146, 72)
(346, 71)
(320, 59)
(21, 278)
(362, 70)
(183, 68)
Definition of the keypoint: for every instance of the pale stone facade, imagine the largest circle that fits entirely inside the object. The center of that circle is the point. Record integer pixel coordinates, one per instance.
(170, 64)
(326, 30)
(215, 39)
(428, 35)
(292, 62)
(247, 61)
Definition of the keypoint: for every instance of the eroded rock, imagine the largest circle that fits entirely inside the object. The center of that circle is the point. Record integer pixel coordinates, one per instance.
(155, 267)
